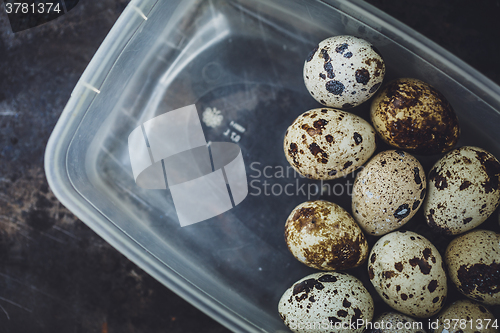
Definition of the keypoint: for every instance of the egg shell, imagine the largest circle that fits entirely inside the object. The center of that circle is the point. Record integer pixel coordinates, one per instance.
(395, 322)
(463, 190)
(410, 114)
(328, 143)
(473, 262)
(408, 273)
(326, 302)
(472, 316)
(322, 235)
(343, 71)
(388, 192)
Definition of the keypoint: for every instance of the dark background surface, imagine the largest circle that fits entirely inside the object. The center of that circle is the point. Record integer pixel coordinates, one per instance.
(56, 275)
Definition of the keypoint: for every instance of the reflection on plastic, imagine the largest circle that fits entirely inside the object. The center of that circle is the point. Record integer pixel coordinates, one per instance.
(170, 151)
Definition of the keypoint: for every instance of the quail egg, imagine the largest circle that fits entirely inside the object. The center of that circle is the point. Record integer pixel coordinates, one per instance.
(473, 261)
(328, 143)
(410, 114)
(463, 190)
(388, 191)
(324, 236)
(326, 302)
(408, 273)
(343, 71)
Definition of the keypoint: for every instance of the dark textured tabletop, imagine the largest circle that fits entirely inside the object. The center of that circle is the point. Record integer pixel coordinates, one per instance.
(56, 275)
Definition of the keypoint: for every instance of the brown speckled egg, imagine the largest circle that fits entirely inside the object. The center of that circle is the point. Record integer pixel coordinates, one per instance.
(343, 71)
(327, 143)
(324, 236)
(463, 190)
(408, 273)
(473, 262)
(326, 302)
(465, 316)
(388, 192)
(410, 114)
(395, 322)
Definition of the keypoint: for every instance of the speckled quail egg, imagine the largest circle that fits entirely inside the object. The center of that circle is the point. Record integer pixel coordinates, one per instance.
(473, 261)
(408, 273)
(380, 206)
(465, 316)
(326, 302)
(328, 143)
(463, 190)
(395, 322)
(324, 236)
(410, 114)
(343, 71)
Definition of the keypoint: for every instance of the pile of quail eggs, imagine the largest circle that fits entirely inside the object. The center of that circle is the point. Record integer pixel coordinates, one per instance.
(405, 269)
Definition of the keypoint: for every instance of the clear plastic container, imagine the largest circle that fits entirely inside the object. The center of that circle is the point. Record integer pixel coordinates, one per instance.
(244, 58)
